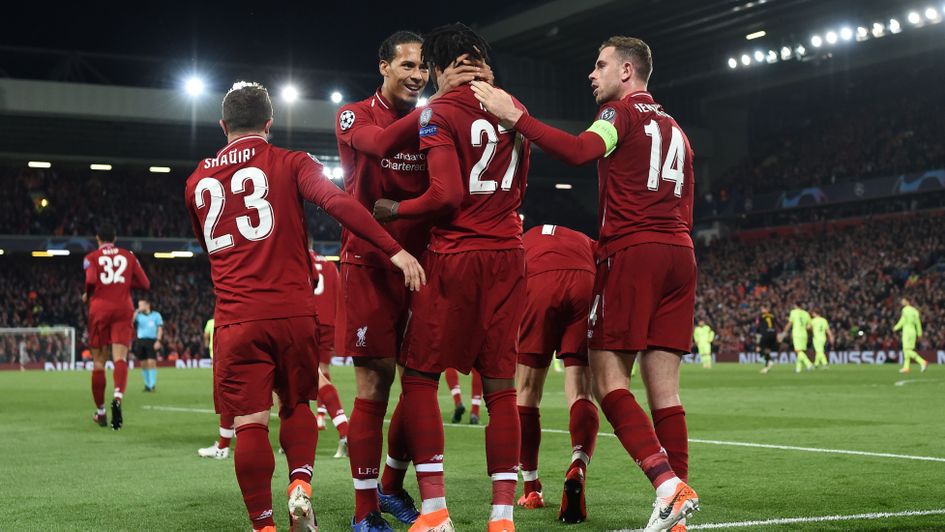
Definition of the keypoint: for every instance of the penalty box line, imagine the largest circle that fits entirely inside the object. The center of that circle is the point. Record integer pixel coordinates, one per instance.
(802, 520)
(691, 440)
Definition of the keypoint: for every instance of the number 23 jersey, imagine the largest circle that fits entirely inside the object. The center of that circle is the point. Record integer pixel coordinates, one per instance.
(646, 180)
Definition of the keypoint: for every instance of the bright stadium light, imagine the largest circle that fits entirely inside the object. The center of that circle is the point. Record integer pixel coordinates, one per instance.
(194, 86)
(914, 18)
(746, 60)
(831, 37)
(326, 171)
(422, 101)
(801, 51)
(816, 41)
(44, 203)
(1, 251)
(878, 29)
(337, 173)
(290, 94)
(732, 62)
(563, 186)
(894, 26)
(772, 57)
(39, 164)
(846, 34)
(759, 56)
(160, 169)
(862, 34)
(100, 167)
(785, 53)
(756, 35)
(932, 14)
(336, 97)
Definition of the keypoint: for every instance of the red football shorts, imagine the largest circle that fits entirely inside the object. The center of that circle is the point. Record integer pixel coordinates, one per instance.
(373, 315)
(254, 358)
(326, 342)
(109, 326)
(644, 297)
(468, 314)
(555, 320)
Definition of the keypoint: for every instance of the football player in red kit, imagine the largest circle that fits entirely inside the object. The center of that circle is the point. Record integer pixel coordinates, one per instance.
(560, 287)
(477, 279)
(475, 399)
(246, 208)
(646, 276)
(110, 274)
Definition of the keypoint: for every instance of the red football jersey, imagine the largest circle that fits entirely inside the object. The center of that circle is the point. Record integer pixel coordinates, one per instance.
(493, 163)
(368, 178)
(646, 183)
(110, 274)
(326, 280)
(554, 247)
(246, 209)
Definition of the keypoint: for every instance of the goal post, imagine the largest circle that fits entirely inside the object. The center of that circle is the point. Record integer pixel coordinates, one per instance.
(28, 346)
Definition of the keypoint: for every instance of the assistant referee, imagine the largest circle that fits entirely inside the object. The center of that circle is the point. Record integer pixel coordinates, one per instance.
(149, 327)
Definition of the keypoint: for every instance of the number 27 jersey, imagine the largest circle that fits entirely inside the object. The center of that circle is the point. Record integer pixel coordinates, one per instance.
(493, 164)
(646, 182)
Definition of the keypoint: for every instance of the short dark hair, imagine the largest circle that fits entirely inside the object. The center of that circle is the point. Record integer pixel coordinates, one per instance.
(443, 45)
(246, 107)
(105, 232)
(637, 51)
(388, 49)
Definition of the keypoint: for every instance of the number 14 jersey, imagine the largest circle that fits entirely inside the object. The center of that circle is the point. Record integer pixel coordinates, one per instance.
(646, 181)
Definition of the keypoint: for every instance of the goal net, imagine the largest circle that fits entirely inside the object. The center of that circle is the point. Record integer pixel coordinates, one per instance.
(36, 346)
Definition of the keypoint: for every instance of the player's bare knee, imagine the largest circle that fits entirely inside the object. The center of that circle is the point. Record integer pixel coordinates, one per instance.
(491, 386)
(374, 378)
(261, 418)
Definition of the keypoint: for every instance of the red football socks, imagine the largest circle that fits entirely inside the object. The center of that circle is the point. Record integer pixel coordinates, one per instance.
(425, 441)
(98, 387)
(476, 399)
(670, 426)
(226, 431)
(530, 421)
(583, 426)
(120, 376)
(328, 394)
(634, 430)
(452, 380)
(503, 445)
(298, 436)
(254, 464)
(398, 456)
(365, 438)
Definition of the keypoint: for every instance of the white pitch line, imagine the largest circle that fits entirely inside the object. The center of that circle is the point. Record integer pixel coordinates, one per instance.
(913, 381)
(691, 440)
(816, 519)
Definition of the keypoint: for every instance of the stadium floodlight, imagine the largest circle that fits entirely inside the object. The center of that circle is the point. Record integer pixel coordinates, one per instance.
(326, 171)
(878, 29)
(785, 53)
(333, 258)
(914, 18)
(39, 164)
(44, 203)
(746, 60)
(862, 34)
(58, 252)
(1, 251)
(846, 33)
(100, 167)
(932, 14)
(772, 57)
(831, 37)
(336, 97)
(759, 56)
(290, 94)
(563, 186)
(422, 101)
(801, 51)
(894, 26)
(816, 41)
(337, 173)
(160, 169)
(732, 62)
(194, 86)
(756, 35)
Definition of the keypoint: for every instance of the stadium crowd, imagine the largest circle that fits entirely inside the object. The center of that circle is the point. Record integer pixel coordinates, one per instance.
(856, 275)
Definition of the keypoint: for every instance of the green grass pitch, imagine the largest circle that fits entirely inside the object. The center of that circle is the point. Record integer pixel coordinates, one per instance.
(59, 471)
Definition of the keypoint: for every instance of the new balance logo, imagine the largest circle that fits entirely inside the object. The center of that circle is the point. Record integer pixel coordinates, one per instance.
(362, 337)
(264, 515)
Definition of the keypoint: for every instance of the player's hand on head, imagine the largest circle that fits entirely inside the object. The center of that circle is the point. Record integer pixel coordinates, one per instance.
(385, 210)
(414, 276)
(462, 71)
(498, 102)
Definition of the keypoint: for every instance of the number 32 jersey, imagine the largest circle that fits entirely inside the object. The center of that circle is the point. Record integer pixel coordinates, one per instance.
(646, 181)
(246, 208)
(111, 272)
(493, 164)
